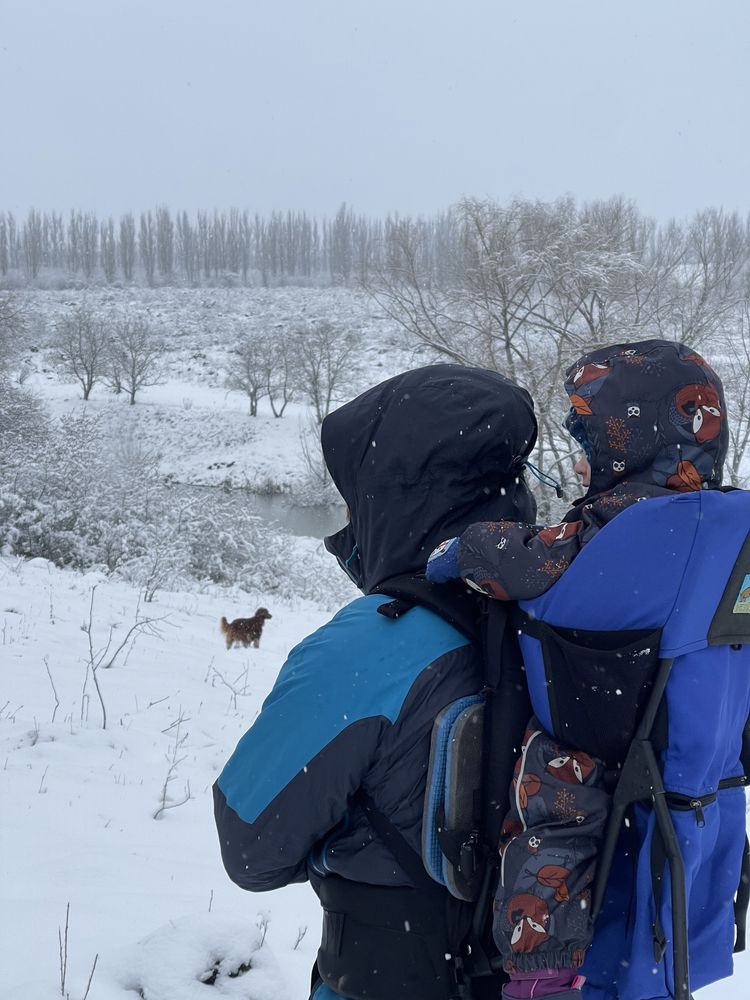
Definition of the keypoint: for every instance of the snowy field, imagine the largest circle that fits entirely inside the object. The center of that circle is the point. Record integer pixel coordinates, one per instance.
(201, 429)
(148, 895)
(84, 827)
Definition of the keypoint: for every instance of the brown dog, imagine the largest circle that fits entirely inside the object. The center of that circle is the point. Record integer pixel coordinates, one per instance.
(245, 631)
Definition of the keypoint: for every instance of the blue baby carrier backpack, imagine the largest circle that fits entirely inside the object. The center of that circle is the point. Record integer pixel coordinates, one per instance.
(640, 655)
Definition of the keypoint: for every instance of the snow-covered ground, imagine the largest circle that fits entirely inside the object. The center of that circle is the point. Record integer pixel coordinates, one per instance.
(148, 895)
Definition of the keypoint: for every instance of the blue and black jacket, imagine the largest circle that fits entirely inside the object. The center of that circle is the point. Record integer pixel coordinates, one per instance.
(352, 708)
(417, 458)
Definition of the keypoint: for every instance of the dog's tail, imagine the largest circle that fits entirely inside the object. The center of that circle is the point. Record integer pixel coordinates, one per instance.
(224, 624)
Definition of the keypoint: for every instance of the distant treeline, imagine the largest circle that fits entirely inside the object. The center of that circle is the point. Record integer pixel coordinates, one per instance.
(207, 248)
(552, 244)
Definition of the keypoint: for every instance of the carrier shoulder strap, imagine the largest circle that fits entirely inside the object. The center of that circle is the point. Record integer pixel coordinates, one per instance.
(507, 712)
(456, 603)
(409, 860)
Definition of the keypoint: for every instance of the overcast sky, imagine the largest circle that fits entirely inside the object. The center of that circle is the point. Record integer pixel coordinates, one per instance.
(390, 105)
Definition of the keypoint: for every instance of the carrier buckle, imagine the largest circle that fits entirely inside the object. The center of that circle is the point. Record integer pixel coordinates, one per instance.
(468, 857)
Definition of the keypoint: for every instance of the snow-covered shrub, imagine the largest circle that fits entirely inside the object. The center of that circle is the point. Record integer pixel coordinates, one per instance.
(82, 497)
(23, 422)
(197, 957)
(74, 501)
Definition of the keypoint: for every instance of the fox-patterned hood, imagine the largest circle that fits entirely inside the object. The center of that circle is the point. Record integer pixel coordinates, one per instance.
(651, 412)
(419, 458)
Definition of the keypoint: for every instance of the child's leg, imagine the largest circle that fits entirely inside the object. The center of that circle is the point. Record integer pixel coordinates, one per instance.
(553, 984)
(549, 845)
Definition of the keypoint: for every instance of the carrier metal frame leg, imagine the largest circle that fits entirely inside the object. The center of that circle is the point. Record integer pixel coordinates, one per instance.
(639, 781)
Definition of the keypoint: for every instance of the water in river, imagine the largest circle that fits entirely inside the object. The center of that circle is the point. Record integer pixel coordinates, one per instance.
(314, 521)
(279, 508)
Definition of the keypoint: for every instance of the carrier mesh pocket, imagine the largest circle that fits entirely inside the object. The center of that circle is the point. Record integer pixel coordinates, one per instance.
(598, 685)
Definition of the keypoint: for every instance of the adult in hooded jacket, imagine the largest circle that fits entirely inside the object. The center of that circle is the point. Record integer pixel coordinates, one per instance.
(417, 458)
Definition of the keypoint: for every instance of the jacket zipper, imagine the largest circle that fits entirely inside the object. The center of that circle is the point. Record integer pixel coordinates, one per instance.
(687, 802)
(524, 754)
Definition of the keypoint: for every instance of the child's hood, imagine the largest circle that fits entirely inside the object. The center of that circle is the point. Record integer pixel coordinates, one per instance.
(652, 412)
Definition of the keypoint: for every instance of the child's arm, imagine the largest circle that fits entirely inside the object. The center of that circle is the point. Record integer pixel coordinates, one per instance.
(508, 560)
(512, 561)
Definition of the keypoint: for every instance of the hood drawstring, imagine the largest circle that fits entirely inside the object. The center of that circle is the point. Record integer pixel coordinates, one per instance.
(545, 480)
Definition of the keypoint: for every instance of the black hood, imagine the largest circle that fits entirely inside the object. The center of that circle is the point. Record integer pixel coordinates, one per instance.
(653, 412)
(420, 457)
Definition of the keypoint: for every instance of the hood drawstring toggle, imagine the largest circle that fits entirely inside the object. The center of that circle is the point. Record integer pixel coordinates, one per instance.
(545, 480)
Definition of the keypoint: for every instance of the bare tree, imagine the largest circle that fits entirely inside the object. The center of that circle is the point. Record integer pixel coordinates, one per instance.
(164, 241)
(32, 238)
(89, 244)
(81, 349)
(341, 248)
(282, 370)
(12, 326)
(187, 249)
(147, 246)
(524, 290)
(735, 372)
(4, 248)
(108, 249)
(326, 362)
(312, 454)
(699, 295)
(127, 246)
(134, 356)
(248, 371)
(478, 313)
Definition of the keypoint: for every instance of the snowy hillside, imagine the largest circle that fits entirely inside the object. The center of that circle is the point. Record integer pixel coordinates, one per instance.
(201, 428)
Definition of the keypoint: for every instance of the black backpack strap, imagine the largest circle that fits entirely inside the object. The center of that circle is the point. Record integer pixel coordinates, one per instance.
(507, 712)
(408, 858)
(396, 608)
(459, 605)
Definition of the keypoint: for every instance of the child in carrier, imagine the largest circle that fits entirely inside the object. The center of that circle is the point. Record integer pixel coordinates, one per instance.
(651, 421)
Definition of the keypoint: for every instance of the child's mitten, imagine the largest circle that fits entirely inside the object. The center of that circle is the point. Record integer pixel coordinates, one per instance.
(443, 562)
